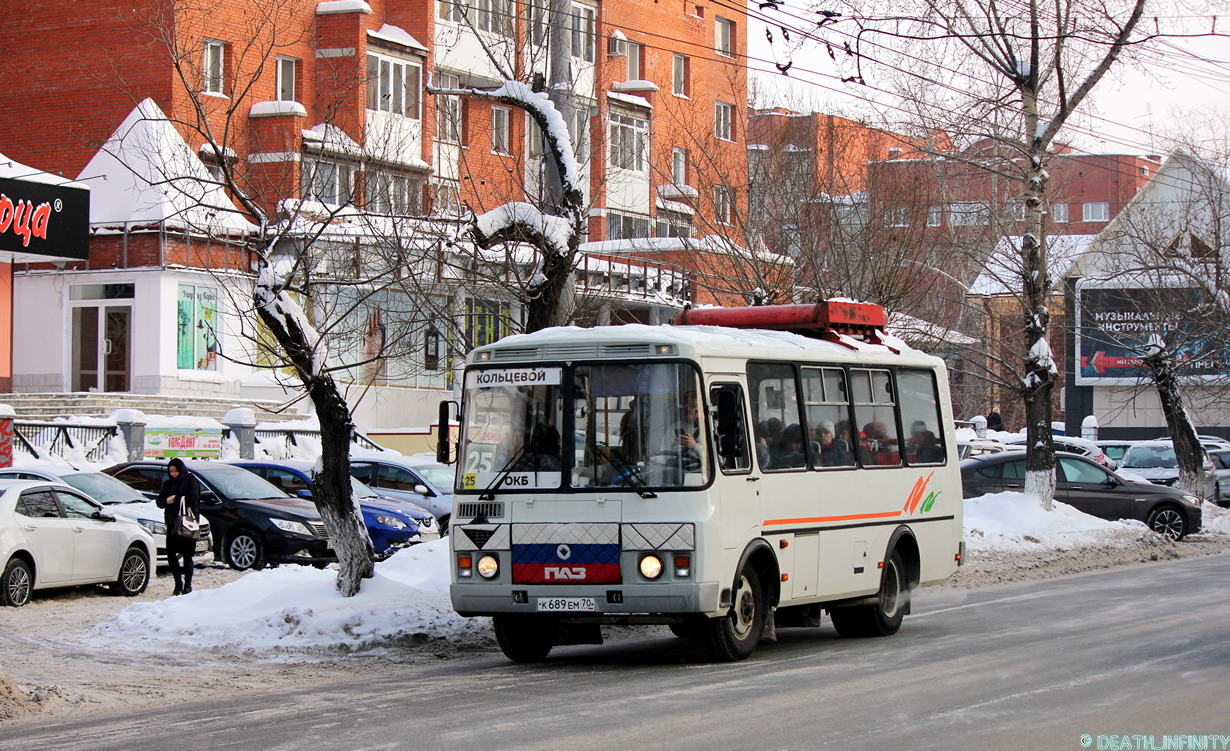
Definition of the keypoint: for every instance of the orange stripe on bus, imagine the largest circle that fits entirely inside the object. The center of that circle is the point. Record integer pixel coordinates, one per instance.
(814, 519)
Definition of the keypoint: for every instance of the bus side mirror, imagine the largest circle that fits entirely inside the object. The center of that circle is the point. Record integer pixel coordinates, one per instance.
(728, 427)
(443, 445)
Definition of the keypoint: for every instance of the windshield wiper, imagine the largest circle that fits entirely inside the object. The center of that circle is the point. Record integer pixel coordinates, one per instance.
(629, 471)
(487, 494)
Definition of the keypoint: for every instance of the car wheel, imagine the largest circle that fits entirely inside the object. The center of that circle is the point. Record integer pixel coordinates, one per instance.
(735, 635)
(443, 523)
(884, 616)
(245, 550)
(17, 583)
(1169, 521)
(523, 639)
(134, 574)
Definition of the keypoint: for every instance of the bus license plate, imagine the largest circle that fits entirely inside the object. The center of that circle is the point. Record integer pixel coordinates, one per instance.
(566, 604)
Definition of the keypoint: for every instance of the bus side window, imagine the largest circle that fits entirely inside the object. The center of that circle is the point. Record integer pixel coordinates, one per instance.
(920, 414)
(775, 407)
(732, 444)
(875, 409)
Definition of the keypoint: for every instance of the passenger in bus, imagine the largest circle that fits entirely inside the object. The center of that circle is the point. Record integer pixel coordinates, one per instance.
(791, 453)
(929, 448)
(690, 441)
(876, 446)
(630, 436)
(541, 451)
(834, 452)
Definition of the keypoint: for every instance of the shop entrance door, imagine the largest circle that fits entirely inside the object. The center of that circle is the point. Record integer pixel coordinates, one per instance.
(102, 352)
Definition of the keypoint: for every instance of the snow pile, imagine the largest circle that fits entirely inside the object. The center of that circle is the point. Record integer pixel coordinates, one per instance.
(1011, 520)
(298, 609)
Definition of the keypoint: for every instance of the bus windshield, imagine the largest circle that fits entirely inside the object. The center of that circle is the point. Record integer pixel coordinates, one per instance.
(589, 425)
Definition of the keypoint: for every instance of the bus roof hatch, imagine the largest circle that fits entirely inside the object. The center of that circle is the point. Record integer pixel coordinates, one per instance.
(823, 320)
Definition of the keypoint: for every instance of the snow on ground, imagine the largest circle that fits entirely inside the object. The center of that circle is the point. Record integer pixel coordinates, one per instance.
(297, 610)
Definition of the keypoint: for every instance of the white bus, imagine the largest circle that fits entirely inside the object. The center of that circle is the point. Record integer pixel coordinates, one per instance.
(722, 479)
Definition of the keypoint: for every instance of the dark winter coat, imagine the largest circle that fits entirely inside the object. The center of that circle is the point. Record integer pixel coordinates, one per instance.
(185, 486)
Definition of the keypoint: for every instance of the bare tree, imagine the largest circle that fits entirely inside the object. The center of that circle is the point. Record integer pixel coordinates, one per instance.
(1025, 69)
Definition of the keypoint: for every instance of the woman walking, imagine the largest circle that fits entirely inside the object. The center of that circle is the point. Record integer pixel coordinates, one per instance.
(181, 493)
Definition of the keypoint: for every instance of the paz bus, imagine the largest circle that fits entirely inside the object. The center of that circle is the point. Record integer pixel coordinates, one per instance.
(744, 470)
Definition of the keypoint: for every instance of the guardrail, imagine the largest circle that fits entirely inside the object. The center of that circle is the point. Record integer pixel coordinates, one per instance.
(42, 440)
(38, 439)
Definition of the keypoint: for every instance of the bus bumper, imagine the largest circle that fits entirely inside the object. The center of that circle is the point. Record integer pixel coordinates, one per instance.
(642, 603)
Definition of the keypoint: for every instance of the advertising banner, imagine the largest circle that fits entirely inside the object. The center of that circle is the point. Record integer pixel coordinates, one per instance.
(44, 219)
(1115, 324)
(189, 443)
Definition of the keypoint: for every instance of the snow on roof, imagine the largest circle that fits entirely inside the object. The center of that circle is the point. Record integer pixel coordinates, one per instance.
(152, 176)
(396, 35)
(332, 138)
(342, 6)
(708, 243)
(11, 170)
(1003, 272)
(925, 333)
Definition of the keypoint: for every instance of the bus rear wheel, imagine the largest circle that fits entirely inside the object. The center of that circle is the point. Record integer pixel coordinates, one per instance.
(524, 639)
(734, 636)
(883, 617)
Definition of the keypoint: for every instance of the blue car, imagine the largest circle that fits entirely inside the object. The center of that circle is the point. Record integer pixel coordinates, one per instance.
(391, 523)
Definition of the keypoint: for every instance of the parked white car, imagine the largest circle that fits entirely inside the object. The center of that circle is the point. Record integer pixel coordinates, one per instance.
(52, 535)
(116, 497)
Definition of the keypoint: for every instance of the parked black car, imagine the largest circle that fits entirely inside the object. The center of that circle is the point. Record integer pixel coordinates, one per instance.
(1090, 488)
(253, 522)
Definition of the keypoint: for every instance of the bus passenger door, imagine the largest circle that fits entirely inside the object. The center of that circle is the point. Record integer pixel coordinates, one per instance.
(736, 483)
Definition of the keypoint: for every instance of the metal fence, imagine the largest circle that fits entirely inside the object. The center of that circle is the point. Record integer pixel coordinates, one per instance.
(40, 439)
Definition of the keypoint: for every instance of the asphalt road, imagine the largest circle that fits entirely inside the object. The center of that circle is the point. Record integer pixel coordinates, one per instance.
(1133, 651)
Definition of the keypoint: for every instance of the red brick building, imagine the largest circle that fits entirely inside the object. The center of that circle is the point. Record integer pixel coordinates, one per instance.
(322, 105)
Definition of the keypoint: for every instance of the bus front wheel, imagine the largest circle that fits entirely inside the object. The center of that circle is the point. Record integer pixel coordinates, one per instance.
(523, 639)
(735, 635)
(883, 617)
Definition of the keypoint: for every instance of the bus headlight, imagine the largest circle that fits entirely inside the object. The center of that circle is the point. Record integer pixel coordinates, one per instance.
(488, 566)
(651, 566)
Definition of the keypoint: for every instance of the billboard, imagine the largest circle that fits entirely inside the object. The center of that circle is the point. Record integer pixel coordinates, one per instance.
(1114, 325)
(189, 443)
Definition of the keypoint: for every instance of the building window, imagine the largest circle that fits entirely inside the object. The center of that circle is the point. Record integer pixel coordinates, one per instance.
(723, 204)
(629, 142)
(447, 198)
(897, 216)
(670, 224)
(393, 86)
(724, 36)
(1095, 212)
(326, 182)
(286, 79)
(1015, 210)
(494, 16)
(679, 166)
(392, 195)
(680, 86)
(212, 66)
(968, 213)
(935, 215)
(621, 226)
(583, 18)
(197, 330)
(723, 39)
(636, 61)
(1060, 213)
(724, 118)
(501, 130)
(448, 110)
